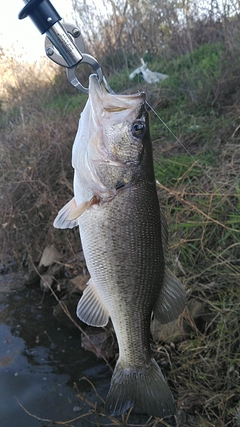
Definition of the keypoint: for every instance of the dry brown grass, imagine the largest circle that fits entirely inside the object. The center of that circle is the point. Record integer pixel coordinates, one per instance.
(35, 156)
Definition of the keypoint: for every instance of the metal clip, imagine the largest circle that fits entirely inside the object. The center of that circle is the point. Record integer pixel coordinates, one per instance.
(71, 72)
(64, 43)
(67, 39)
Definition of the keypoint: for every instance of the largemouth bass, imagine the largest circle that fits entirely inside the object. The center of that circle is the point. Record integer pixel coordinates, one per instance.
(117, 210)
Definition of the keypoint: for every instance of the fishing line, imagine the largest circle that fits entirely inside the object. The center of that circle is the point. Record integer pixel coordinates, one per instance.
(192, 157)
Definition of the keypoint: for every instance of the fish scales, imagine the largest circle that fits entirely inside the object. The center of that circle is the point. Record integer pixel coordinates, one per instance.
(123, 262)
(123, 238)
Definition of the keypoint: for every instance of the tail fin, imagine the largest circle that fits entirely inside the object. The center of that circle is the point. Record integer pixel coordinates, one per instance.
(145, 388)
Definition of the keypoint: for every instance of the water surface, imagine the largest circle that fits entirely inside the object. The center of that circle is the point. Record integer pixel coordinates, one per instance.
(42, 364)
(41, 361)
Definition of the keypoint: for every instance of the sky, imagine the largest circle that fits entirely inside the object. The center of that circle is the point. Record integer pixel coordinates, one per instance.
(20, 37)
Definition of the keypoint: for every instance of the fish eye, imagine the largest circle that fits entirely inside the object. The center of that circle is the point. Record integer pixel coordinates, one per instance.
(138, 128)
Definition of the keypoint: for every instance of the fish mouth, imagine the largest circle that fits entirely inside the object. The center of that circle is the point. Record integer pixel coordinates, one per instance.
(111, 102)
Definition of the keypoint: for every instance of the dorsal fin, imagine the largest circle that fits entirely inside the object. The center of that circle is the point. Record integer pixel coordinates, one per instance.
(172, 299)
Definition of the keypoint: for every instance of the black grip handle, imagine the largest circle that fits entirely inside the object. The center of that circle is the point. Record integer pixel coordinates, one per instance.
(42, 13)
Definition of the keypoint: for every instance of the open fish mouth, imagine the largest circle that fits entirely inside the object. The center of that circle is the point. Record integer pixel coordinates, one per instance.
(112, 103)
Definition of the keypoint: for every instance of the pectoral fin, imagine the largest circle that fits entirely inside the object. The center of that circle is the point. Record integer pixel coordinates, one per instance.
(90, 308)
(68, 216)
(172, 299)
(78, 211)
(62, 221)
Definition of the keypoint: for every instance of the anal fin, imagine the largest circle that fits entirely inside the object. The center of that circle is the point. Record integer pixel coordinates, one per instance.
(172, 299)
(90, 308)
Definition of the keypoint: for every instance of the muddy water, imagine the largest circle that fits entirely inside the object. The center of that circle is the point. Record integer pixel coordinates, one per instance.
(40, 361)
(42, 364)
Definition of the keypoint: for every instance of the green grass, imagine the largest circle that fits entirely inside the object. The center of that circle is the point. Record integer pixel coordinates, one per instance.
(201, 197)
(66, 103)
